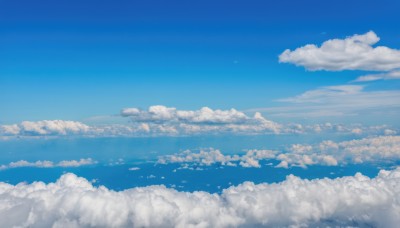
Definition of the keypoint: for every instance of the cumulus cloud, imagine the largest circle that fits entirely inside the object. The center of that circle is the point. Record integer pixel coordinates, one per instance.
(380, 150)
(352, 53)
(49, 164)
(382, 76)
(73, 202)
(164, 119)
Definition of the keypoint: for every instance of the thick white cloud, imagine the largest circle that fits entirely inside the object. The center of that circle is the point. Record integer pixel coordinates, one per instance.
(382, 76)
(380, 150)
(352, 53)
(354, 201)
(45, 127)
(49, 164)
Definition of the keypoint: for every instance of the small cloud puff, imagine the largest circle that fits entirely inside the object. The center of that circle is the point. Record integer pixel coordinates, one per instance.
(73, 202)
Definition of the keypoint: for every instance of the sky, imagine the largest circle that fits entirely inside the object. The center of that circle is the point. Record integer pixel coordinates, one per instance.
(71, 60)
(199, 113)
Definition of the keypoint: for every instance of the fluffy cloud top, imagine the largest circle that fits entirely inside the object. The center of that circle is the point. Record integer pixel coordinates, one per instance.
(167, 119)
(73, 202)
(45, 127)
(383, 149)
(49, 164)
(352, 53)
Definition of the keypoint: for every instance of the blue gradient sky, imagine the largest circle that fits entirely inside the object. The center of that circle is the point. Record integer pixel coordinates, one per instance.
(77, 59)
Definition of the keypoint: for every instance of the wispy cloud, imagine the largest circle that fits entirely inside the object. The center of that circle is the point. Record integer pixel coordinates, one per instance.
(342, 100)
(382, 76)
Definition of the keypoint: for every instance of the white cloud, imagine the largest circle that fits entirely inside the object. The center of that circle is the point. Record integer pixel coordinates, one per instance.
(381, 150)
(382, 76)
(352, 53)
(212, 156)
(164, 119)
(73, 202)
(49, 164)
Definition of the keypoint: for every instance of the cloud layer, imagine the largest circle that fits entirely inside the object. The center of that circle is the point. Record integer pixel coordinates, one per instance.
(352, 53)
(74, 202)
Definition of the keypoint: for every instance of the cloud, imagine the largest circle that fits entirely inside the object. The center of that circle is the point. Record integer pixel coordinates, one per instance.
(380, 150)
(212, 156)
(352, 53)
(45, 127)
(49, 164)
(73, 202)
(382, 76)
(341, 100)
(171, 120)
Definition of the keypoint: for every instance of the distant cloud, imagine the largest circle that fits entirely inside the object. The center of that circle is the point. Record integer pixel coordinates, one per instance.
(212, 156)
(49, 164)
(352, 53)
(73, 202)
(381, 150)
(167, 121)
(45, 127)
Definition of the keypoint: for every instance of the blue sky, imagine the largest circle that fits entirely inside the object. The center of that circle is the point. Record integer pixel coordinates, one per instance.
(72, 60)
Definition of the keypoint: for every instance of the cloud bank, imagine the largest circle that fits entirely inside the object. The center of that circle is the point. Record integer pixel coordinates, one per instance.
(352, 53)
(379, 150)
(167, 121)
(72, 201)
